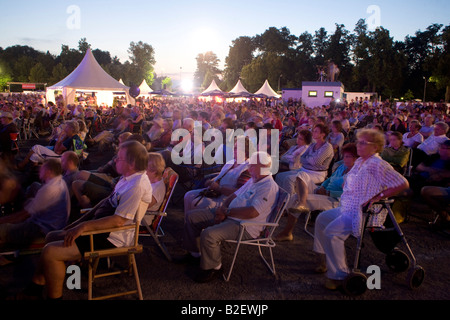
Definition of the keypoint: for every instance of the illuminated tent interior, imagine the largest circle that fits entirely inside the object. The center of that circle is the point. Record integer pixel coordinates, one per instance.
(89, 76)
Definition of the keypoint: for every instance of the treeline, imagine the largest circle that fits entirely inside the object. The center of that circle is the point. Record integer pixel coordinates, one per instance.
(25, 64)
(369, 61)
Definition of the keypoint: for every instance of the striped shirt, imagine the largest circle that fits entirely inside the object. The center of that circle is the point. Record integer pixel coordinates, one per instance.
(317, 160)
(365, 180)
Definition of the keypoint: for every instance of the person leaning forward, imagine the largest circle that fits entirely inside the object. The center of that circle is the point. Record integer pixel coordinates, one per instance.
(133, 189)
(254, 201)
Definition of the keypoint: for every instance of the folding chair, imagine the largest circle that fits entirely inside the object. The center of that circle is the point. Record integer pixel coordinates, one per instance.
(170, 178)
(265, 240)
(93, 257)
(30, 128)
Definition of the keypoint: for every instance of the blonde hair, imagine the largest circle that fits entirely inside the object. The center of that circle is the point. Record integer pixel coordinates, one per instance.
(156, 163)
(374, 136)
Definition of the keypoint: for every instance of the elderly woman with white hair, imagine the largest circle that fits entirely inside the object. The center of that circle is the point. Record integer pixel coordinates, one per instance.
(68, 139)
(370, 180)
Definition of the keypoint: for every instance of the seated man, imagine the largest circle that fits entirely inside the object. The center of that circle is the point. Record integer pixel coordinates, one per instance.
(431, 145)
(47, 211)
(434, 171)
(254, 201)
(118, 210)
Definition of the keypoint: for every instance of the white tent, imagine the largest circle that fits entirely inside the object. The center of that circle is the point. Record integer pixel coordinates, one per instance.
(213, 89)
(144, 89)
(267, 91)
(89, 77)
(239, 90)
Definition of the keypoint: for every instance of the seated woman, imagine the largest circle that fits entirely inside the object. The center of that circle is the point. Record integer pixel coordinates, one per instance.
(396, 154)
(67, 140)
(336, 138)
(232, 176)
(413, 138)
(291, 159)
(315, 164)
(155, 171)
(327, 195)
(370, 180)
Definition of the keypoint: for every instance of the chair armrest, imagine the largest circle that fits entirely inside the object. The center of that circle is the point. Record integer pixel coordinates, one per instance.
(265, 224)
(156, 213)
(84, 211)
(87, 233)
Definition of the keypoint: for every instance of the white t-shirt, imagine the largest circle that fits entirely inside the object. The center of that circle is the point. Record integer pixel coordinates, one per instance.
(132, 195)
(409, 142)
(158, 192)
(262, 196)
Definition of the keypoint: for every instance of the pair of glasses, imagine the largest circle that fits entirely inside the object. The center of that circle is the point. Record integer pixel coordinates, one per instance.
(364, 143)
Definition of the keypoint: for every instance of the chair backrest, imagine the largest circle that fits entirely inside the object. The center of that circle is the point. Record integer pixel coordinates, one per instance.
(170, 178)
(408, 167)
(277, 212)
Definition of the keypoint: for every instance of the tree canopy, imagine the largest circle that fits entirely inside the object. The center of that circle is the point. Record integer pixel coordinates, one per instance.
(367, 61)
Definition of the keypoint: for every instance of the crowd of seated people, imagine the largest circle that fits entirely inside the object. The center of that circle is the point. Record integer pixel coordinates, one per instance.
(313, 142)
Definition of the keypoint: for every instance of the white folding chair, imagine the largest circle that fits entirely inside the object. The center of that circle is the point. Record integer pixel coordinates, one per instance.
(265, 240)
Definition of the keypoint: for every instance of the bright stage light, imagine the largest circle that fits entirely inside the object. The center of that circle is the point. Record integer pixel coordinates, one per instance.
(187, 85)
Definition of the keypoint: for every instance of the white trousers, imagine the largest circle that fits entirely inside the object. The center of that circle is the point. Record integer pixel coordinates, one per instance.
(330, 232)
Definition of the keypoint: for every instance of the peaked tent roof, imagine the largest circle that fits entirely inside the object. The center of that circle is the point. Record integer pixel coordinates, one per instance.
(213, 89)
(267, 90)
(239, 89)
(89, 75)
(145, 88)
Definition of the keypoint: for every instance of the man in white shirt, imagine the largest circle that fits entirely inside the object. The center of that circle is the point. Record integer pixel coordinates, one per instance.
(430, 145)
(254, 201)
(120, 209)
(48, 210)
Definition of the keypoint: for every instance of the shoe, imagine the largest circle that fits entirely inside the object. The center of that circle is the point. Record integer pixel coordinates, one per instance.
(320, 269)
(281, 238)
(187, 259)
(332, 284)
(208, 275)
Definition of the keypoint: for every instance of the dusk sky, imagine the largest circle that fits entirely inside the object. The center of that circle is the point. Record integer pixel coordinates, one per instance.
(179, 30)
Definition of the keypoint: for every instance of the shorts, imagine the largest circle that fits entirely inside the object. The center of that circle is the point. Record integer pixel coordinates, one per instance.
(101, 242)
(95, 191)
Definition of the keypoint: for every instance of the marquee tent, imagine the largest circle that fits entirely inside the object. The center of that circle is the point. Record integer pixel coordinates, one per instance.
(89, 77)
(266, 90)
(239, 90)
(145, 89)
(213, 90)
